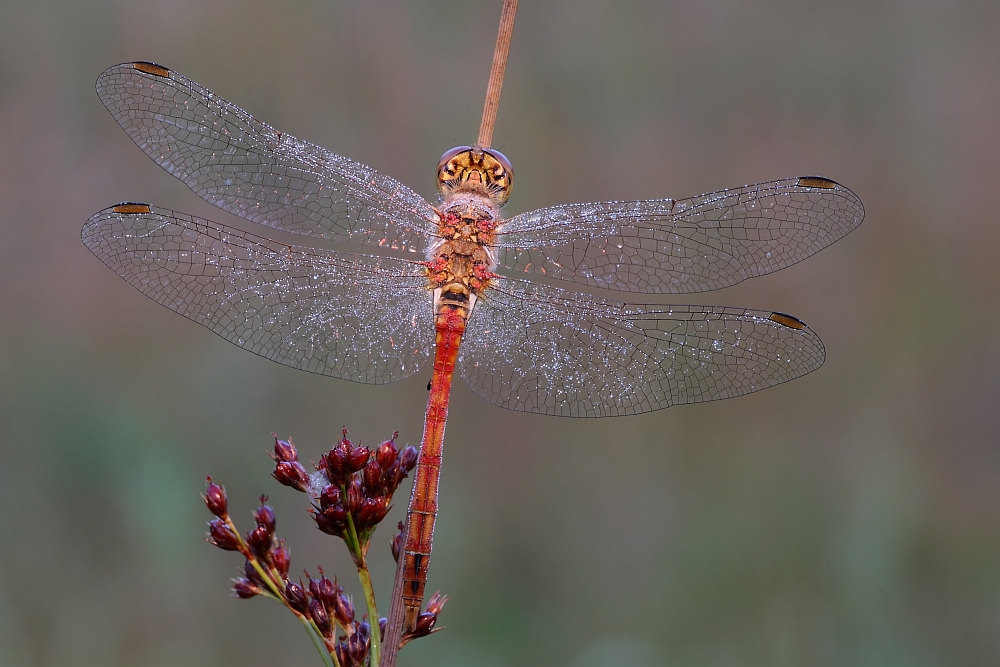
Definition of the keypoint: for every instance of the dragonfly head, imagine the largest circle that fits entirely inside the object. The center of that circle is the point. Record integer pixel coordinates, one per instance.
(478, 169)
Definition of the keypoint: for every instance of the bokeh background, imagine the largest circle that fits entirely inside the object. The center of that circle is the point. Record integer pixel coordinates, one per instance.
(849, 518)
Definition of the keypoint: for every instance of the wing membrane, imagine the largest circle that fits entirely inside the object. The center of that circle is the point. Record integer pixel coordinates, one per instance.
(538, 349)
(355, 317)
(667, 246)
(246, 167)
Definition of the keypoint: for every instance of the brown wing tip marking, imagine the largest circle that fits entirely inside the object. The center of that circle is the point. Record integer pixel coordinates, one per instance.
(151, 68)
(816, 182)
(131, 207)
(787, 321)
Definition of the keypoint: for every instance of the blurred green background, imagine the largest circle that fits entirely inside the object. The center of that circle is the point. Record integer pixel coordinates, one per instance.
(849, 518)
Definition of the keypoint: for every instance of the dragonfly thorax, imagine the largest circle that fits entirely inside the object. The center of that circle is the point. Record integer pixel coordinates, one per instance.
(460, 262)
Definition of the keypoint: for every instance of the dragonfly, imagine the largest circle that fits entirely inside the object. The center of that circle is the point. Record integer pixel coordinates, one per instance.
(512, 305)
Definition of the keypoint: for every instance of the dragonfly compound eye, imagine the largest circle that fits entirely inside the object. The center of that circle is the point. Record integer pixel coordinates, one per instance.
(470, 168)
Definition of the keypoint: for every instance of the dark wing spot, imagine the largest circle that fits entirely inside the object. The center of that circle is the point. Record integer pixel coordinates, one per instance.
(787, 321)
(151, 68)
(816, 182)
(131, 207)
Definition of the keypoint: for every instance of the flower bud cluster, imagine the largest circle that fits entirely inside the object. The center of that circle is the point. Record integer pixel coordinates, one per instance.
(287, 468)
(359, 484)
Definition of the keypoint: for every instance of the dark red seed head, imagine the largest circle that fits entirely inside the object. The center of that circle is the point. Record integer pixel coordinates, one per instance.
(215, 499)
(398, 541)
(296, 597)
(282, 559)
(260, 541)
(436, 603)
(408, 459)
(284, 450)
(291, 473)
(331, 521)
(244, 589)
(355, 495)
(372, 511)
(425, 623)
(221, 536)
(322, 619)
(357, 458)
(372, 475)
(357, 645)
(253, 575)
(344, 655)
(344, 609)
(264, 516)
(329, 497)
(386, 452)
(336, 464)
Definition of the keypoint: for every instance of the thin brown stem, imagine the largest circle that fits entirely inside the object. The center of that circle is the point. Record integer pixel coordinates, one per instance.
(496, 74)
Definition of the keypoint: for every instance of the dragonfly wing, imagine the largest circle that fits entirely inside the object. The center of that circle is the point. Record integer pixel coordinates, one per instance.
(667, 246)
(355, 317)
(244, 166)
(537, 349)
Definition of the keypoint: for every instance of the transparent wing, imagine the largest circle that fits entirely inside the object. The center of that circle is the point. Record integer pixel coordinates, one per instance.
(246, 167)
(537, 349)
(355, 317)
(665, 246)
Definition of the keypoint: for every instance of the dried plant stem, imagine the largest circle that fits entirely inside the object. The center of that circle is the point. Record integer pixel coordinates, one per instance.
(496, 73)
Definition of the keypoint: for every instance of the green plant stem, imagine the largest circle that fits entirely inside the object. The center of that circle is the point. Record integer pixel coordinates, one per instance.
(366, 585)
(329, 658)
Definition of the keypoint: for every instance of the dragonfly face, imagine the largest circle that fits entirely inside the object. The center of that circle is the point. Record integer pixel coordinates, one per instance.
(470, 168)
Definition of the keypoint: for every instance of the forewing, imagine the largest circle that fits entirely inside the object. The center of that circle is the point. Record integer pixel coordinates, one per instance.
(246, 167)
(665, 246)
(354, 317)
(537, 349)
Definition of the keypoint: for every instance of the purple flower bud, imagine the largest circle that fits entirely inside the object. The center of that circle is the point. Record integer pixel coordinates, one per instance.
(382, 622)
(372, 475)
(324, 590)
(319, 616)
(355, 495)
(397, 542)
(344, 610)
(222, 536)
(336, 464)
(291, 473)
(357, 646)
(372, 511)
(364, 631)
(296, 597)
(408, 459)
(215, 499)
(386, 452)
(244, 589)
(357, 458)
(264, 516)
(436, 603)
(284, 451)
(260, 541)
(253, 575)
(425, 623)
(344, 655)
(393, 476)
(282, 558)
(329, 497)
(332, 521)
